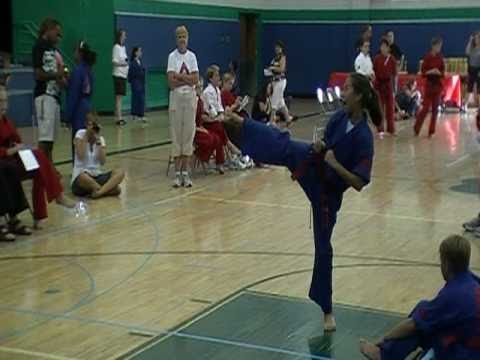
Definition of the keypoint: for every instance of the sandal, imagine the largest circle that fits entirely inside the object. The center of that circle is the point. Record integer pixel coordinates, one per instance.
(5, 235)
(16, 227)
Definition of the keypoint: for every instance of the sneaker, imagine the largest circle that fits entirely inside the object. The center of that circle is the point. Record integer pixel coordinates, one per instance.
(187, 182)
(177, 182)
(472, 225)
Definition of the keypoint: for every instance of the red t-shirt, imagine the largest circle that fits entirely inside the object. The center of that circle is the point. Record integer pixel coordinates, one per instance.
(8, 136)
(430, 61)
(228, 98)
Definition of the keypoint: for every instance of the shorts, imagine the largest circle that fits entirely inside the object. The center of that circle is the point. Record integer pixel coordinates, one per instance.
(120, 85)
(47, 110)
(101, 179)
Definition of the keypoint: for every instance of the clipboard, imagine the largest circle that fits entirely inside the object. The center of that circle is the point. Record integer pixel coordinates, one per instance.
(28, 159)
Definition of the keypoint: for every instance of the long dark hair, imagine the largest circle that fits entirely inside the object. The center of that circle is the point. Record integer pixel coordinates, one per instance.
(262, 95)
(361, 85)
(134, 52)
(87, 55)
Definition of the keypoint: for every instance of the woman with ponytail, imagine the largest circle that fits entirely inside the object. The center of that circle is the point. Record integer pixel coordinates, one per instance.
(324, 170)
(80, 89)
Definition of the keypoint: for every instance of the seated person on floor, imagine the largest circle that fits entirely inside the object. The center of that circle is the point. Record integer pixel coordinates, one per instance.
(12, 203)
(449, 324)
(90, 154)
(45, 178)
(262, 105)
(408, 99)
(216, 116)
(206, 142)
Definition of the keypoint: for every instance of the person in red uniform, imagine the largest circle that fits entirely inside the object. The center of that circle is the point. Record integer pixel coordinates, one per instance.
(45, 178)
(433, 68)
(385, 68)
(206, 142)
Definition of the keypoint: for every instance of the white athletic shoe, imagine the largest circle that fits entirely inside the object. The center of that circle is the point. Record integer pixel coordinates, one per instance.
(177, 182)
(473, 224)
(187, 182)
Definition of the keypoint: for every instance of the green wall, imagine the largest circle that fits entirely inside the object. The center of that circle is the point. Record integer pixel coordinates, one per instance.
(94, 21)
(90, 20)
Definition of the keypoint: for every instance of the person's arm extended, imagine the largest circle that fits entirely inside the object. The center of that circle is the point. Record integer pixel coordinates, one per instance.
(405, 329)
(350, 178)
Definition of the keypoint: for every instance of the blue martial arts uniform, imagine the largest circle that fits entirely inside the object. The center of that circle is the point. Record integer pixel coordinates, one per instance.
(136, 78)
(450, 323)
(322, 185)
(79, 94)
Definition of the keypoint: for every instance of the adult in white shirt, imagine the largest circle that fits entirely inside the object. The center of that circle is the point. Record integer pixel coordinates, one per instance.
(182, 72)
(120, 73)
(363, 62)
(87, 177)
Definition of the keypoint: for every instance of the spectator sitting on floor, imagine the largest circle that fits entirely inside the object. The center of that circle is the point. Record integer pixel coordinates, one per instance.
(449, 324)
(408, 99)
(90, 155)
(262, 106)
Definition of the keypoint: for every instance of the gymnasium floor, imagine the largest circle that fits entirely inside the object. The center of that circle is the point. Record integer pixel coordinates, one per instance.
(221, 271)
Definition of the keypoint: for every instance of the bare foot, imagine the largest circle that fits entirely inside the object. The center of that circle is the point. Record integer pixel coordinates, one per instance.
(329, 323)
(369, 350)
(96, 195)
(66, 202)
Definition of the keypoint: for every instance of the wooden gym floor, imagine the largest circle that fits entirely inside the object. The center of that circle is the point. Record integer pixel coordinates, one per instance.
(221, 271)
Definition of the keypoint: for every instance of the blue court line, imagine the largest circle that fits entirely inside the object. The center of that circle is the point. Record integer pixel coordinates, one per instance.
(89, 298)
(157, 332)
(90, 291)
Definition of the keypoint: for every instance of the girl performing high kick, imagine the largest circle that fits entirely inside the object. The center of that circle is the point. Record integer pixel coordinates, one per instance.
(324, 170)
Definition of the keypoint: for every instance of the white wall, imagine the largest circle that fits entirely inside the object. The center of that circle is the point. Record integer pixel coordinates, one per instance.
(336, 4)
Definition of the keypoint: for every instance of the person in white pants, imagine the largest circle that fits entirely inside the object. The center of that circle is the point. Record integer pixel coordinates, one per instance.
(278, 67)
(182, 72)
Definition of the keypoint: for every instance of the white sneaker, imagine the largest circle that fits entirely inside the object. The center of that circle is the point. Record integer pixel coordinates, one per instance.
(473, 224)
(187, 182)
(177, 182)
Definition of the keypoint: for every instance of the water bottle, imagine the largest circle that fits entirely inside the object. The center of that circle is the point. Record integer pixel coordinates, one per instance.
(81, 209)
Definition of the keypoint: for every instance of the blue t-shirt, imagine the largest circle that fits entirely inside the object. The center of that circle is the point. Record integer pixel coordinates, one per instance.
(452, 319)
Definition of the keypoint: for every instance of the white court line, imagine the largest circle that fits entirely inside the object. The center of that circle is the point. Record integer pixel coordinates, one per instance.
(181, 196)
(36, 354)
(459, 160)
(296, 207)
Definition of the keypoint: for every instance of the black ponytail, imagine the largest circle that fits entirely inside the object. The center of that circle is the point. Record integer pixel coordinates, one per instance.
(87, 54)
(370, 101)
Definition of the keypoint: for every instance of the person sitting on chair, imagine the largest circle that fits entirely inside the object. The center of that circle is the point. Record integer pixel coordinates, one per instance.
(409, 99)
(206, 142)
(449, 324)
(13, 202)
(45, 178)
(90, 155)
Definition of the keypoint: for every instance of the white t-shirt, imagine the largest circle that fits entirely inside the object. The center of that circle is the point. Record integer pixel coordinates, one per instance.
(90, 164)
(182, 63)
(213, 101)
(363, 64)
(119, 55)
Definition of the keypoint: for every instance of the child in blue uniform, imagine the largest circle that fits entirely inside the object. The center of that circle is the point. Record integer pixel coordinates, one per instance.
(448, 324)
(80, 89)
(324, 170)
(136, 78)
